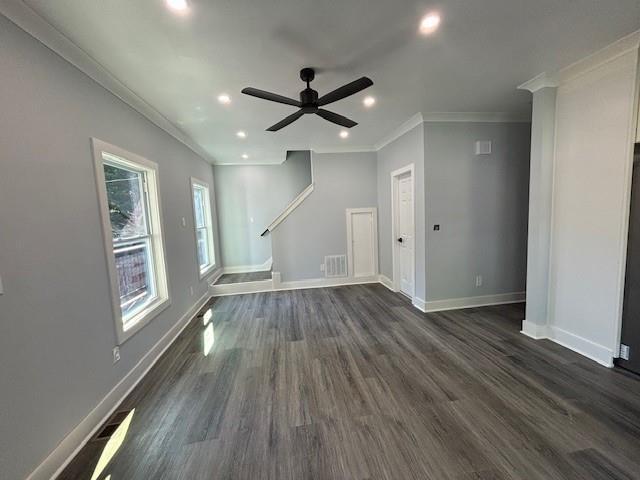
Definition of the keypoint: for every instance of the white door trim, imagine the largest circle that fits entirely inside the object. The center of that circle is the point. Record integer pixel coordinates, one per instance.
(374, 215)
(394, 207)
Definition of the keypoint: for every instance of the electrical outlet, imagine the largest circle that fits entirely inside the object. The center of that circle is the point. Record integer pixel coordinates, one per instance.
(116, 354)
(191, 290)
(478, 281)
(184, 222)
(624, 351)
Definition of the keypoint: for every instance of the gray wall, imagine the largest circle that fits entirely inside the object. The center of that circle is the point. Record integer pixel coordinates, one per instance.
(409, 148)
(56, 322)
(481, 204)
(249, 198)
(318, 226)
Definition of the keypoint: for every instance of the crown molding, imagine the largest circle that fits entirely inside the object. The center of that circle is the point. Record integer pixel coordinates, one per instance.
(28, 20)
(450, 117)
(246, 164)
(355, 149)
(411, 123)
(601, 57)
(476, 117)
(539, 82)
(405, 127)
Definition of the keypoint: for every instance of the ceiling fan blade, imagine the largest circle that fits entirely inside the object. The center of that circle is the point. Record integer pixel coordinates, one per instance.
(335, 118)
(283, 123)
(345, 91)
(274, 97)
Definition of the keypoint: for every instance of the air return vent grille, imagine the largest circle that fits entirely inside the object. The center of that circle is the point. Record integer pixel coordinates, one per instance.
(483, 147)
(335, 266)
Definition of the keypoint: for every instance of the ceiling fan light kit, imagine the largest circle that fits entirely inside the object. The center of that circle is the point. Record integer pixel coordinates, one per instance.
(310, 102)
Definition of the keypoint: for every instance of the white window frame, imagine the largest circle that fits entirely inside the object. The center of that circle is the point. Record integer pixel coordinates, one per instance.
(162, 299)
(207, 269)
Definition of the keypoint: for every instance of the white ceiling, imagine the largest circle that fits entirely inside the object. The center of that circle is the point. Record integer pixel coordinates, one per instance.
(179, 64)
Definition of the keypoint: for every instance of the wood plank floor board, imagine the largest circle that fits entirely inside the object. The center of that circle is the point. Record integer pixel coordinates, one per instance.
(354, 383)
(594, 465)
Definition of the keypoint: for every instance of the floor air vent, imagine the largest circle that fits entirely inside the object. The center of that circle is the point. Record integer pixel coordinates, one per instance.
(112, 425)
(335, 266)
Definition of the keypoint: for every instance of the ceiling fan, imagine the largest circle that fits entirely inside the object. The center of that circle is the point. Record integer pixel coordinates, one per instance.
(309, 101)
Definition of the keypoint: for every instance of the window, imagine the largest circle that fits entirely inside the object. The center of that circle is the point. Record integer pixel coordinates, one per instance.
(130, 209)
(205, 252)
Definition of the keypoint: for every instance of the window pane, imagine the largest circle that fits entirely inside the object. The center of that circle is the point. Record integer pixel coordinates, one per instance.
(199, 206)
(135, 276)
(126, 202)
(203, 247)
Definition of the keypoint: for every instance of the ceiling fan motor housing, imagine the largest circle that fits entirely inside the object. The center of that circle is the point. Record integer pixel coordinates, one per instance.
(309, 98)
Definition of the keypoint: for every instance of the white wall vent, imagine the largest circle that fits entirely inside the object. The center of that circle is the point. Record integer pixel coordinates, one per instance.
(483, 147)
(335, 266)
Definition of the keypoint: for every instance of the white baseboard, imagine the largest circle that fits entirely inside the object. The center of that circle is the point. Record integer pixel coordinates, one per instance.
(420, 304)
(596, 352)
(535, 331)
(469, 302)
(225, 289)
(69, 447)
(215, 277)
(263, 267)
(276, 284)
(417, 302)
(593, 351)
(386, 281)
(325, 282)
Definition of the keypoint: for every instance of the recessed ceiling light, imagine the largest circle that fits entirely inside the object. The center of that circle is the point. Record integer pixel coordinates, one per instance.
(245, 156)
(178, 5)
(241, 134)
(429, 23)
(344, 134)
(369, 101)
(224, 99)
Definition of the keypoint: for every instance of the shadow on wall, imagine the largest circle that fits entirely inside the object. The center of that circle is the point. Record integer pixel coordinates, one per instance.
(249, 198)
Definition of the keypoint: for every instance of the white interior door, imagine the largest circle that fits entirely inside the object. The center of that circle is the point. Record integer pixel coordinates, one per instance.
(362, 233)
(404, 233)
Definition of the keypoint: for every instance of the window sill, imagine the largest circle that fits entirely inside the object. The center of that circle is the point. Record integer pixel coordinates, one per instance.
(142, 319)
(207, 271)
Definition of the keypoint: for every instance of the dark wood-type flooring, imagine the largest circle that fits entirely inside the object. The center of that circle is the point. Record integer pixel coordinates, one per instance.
(243, 277)
(354, 383)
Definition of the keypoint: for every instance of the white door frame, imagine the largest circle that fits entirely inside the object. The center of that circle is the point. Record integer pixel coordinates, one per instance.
(374, 215)
(395, 177)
